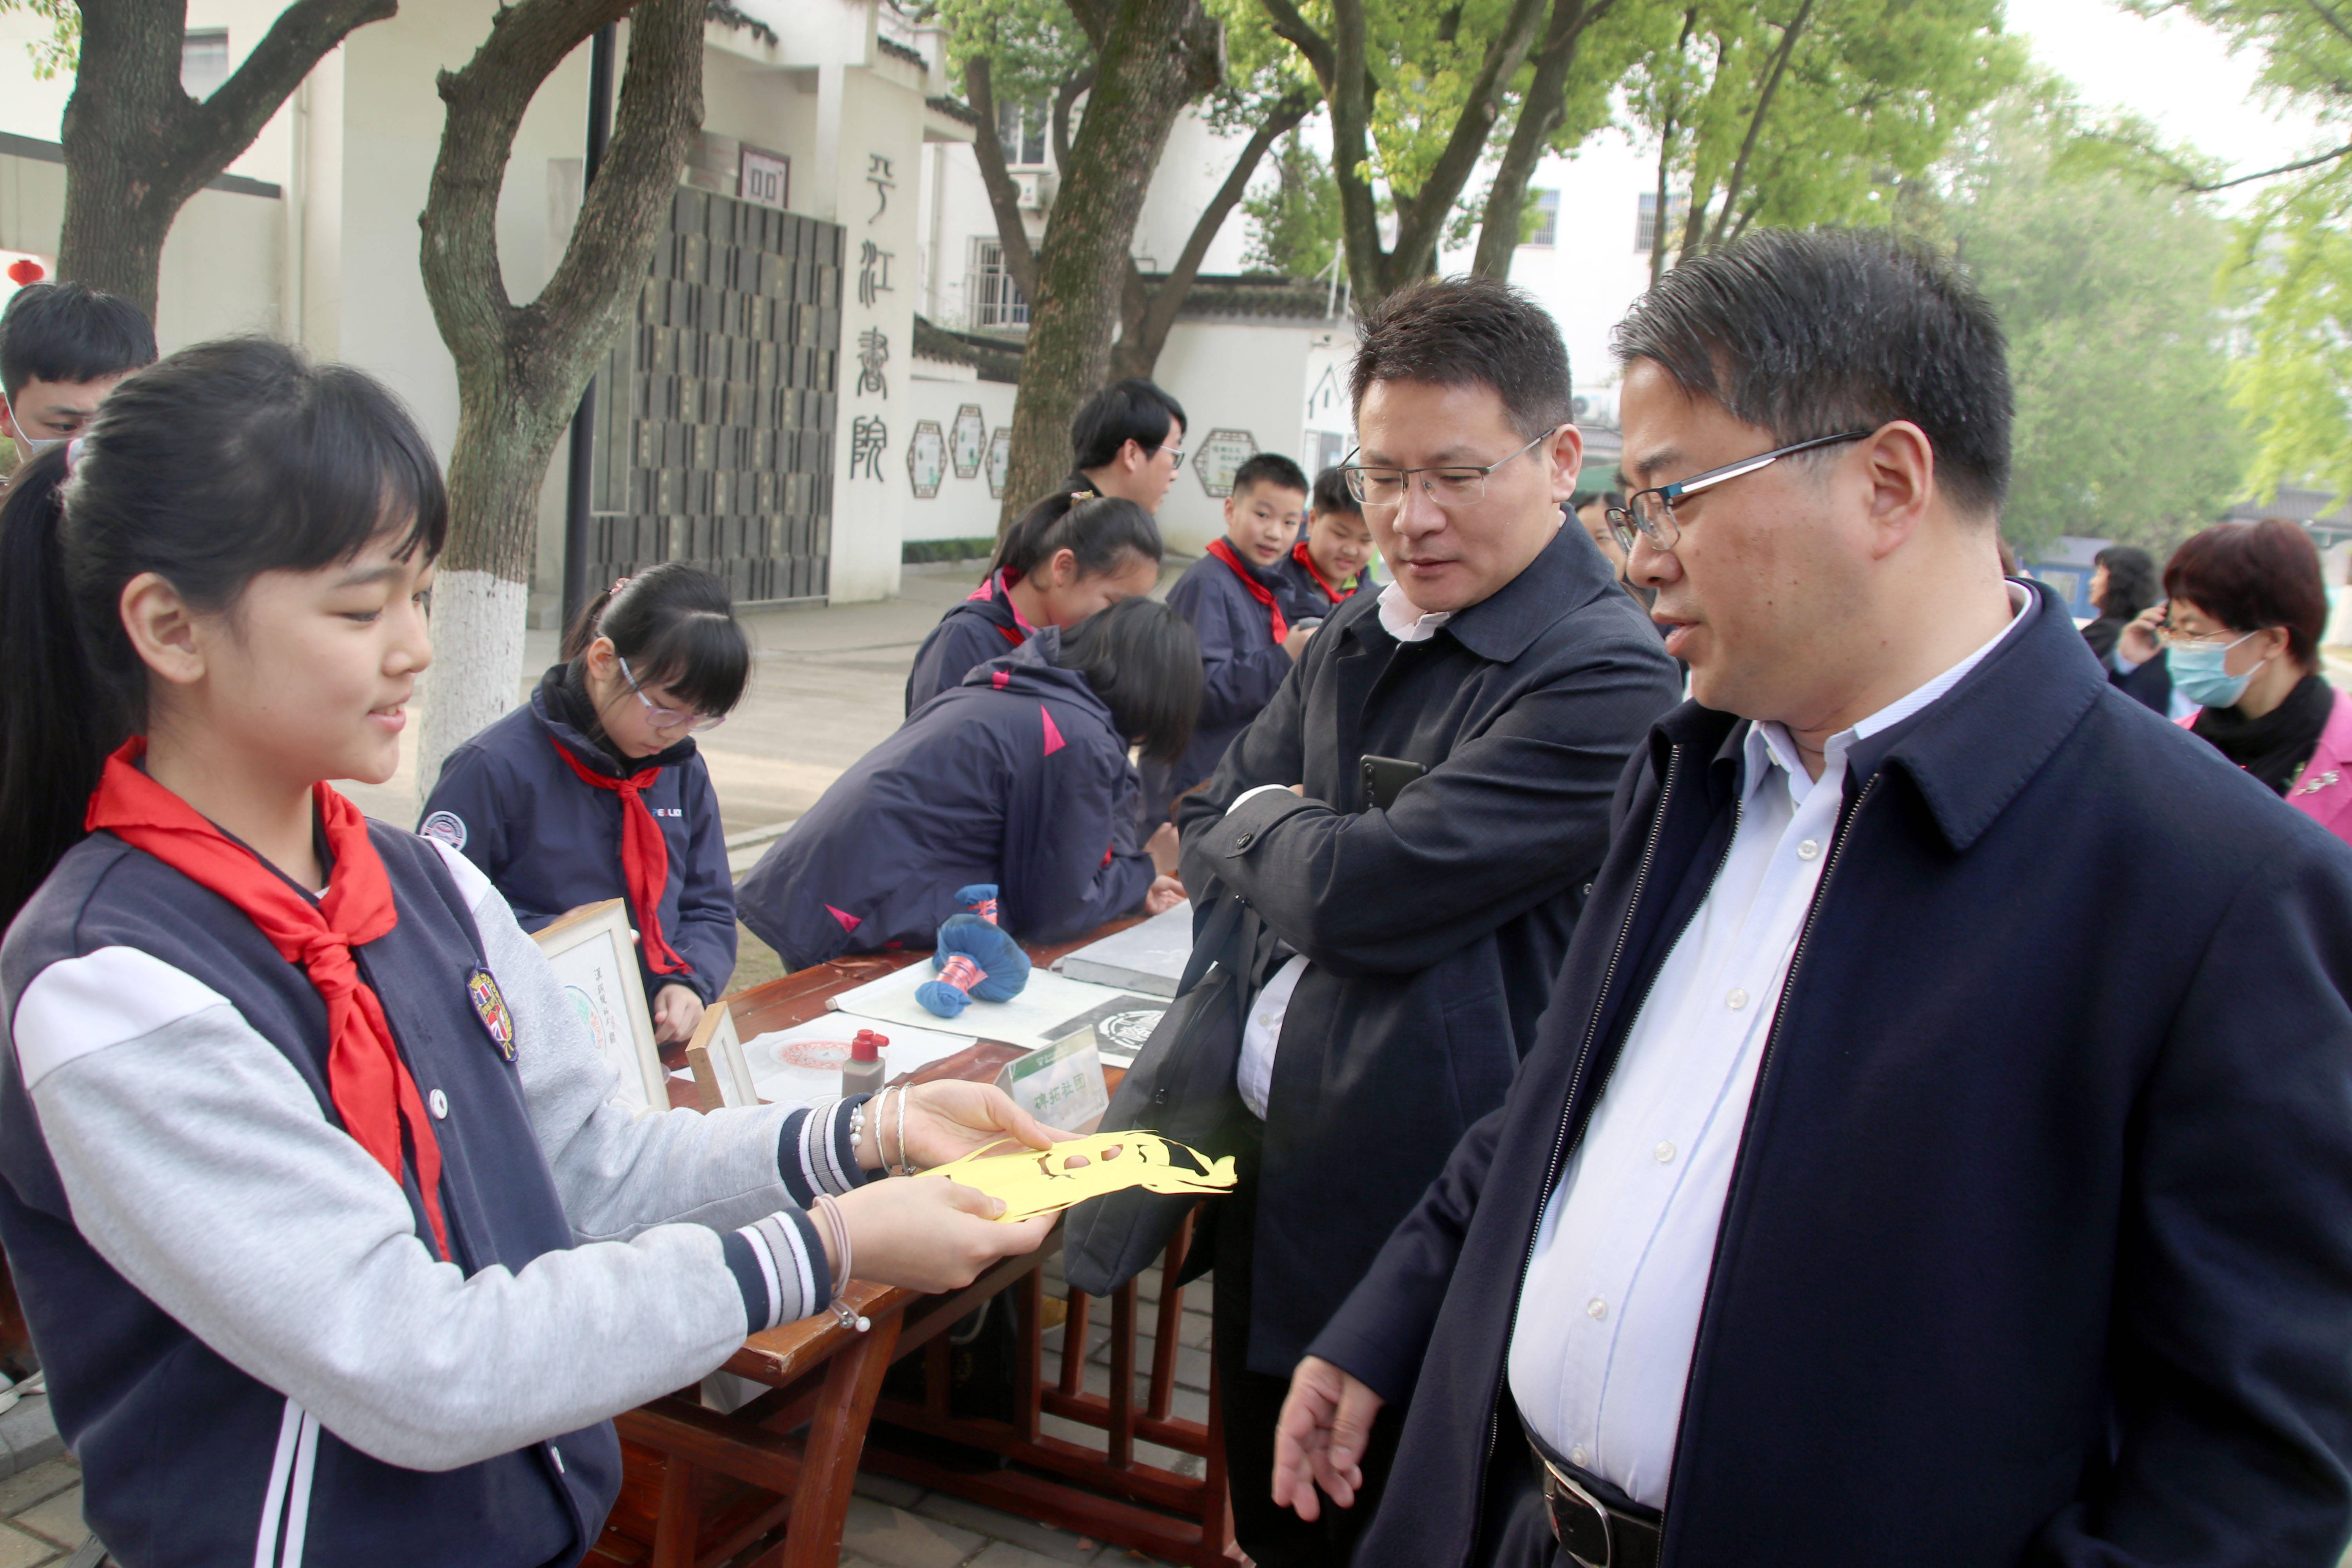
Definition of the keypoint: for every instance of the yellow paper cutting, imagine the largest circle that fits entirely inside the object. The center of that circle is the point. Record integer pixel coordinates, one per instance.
(1033, 1181)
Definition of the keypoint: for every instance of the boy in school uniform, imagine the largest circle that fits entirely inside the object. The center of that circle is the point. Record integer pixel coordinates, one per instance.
(63, 347)
(1243, 607)
(1334, 555)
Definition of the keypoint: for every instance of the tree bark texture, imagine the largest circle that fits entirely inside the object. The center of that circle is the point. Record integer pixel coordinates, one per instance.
(522, 368)
(1146, 313)
(1152, 59)
(1539, 116)
(137, 146)
(1342, 69)
(1003, 194)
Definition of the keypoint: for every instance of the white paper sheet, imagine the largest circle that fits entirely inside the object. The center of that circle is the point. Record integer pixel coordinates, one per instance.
(802, 1064)
(1051, 1006)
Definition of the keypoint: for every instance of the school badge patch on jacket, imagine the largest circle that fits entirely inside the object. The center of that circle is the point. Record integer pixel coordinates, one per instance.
(490, 1007)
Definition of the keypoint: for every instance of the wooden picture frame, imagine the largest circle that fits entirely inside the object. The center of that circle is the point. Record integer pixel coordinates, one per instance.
(722, 1073)
(594, 953)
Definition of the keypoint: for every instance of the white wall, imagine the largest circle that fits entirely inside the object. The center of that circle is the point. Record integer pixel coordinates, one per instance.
(1192, 165)
(1592, 275)
(963, 509)
(1240, 375)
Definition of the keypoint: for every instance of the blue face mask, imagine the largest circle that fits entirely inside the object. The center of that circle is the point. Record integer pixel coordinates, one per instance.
(27, 447)
(2197, 673)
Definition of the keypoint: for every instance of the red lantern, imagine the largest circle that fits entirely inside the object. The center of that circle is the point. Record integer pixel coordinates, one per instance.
(25, 270)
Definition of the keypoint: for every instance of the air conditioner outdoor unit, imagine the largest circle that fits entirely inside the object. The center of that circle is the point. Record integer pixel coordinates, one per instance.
(1037, 189)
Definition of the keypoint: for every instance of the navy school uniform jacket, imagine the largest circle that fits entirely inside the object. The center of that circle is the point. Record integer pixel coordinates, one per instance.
(1242, 665)
(250, 1345)
(985, 626)
(1014, 777)
(550, 843)
(2036, 1249)
(1302, 594)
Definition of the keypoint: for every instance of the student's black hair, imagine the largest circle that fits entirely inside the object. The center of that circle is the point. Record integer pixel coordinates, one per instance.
(1133, 410)
(1100, 530)
(2132, 581)
(226, 461)
(1806, 332)
(70, 331)
(1143, 660)
(1330, 493)
(1581, 500)
(676, 625)
(1468, 331)
(1269, 469)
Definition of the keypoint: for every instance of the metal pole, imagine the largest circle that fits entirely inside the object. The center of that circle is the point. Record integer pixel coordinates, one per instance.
(581, 478)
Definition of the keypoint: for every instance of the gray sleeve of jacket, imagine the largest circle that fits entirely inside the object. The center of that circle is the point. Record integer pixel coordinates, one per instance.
(617, 1172)
(196, 1161)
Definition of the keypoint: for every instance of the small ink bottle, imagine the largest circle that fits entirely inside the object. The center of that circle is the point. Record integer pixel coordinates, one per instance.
(862, 1074)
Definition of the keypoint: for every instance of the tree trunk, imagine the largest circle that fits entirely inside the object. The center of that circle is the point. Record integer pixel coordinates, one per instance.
(1342, 69)
(1155, 56)
(1146, 315)
(1003, 196)
(137, 146)
(522, 368)
(1735, 187)
(1539, 116)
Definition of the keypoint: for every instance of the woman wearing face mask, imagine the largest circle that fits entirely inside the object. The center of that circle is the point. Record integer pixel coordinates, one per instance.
(2240, 639)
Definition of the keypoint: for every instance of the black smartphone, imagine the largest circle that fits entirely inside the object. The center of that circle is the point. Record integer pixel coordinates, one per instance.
(1385, 777)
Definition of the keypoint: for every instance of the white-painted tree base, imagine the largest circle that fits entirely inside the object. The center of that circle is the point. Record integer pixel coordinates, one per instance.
(478, 627)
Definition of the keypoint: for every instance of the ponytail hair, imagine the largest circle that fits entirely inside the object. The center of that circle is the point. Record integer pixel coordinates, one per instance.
(1143, 660)
(676, 625)
(1100, 530)
(226, 461)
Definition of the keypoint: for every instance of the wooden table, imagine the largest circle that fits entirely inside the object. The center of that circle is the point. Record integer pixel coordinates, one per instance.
(701, 1487)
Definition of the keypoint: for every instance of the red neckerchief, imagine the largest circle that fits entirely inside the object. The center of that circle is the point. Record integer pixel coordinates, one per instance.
(644, 857)
(1301, 553)
(1223, 552)
(369, 1083)
(994, 590)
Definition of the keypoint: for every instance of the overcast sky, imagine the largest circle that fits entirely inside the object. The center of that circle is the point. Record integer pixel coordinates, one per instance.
(2172, 70)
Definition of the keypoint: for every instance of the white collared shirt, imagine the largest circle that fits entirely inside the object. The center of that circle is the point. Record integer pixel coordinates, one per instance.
(1601, 1348)
(1403, 620)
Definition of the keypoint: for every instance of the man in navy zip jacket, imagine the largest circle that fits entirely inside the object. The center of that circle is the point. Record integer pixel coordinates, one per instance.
(507, 801)
(1938, 1145)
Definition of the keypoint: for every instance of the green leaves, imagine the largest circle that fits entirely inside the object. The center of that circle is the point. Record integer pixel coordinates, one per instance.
(2126, 427)
(60, 52)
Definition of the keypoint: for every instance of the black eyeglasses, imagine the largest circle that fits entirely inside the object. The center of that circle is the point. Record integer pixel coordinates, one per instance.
(1650, 514)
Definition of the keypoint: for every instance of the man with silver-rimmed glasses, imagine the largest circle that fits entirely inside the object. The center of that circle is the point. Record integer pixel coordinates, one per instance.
(1413, 818)
(1937, 1146)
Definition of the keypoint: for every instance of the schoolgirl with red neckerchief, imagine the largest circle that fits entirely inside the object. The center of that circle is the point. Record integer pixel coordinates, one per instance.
(333, 1240)
(1071, 554)
(593, 789)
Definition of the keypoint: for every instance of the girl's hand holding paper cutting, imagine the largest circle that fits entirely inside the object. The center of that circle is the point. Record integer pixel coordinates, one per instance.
(945, 1122)
(931, 1235)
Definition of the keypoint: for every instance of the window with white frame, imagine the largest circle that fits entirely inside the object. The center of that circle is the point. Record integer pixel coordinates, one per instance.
(996, 300)
(204, 61)
(1021, 131)
(1546, 231)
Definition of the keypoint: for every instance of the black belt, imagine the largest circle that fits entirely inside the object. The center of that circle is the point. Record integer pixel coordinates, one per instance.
(1594, 1533)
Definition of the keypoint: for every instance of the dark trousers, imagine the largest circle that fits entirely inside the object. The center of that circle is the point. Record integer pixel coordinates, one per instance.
(1273, 1536)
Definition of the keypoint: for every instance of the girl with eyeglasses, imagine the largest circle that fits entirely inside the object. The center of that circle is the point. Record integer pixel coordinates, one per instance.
(593, 789)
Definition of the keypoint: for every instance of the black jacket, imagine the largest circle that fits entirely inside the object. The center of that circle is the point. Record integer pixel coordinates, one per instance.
(1435, 926)
(2037, 1249)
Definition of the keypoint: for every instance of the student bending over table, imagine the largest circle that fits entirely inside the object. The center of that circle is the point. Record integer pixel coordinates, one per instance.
(333, 1242)
(1019, 777)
